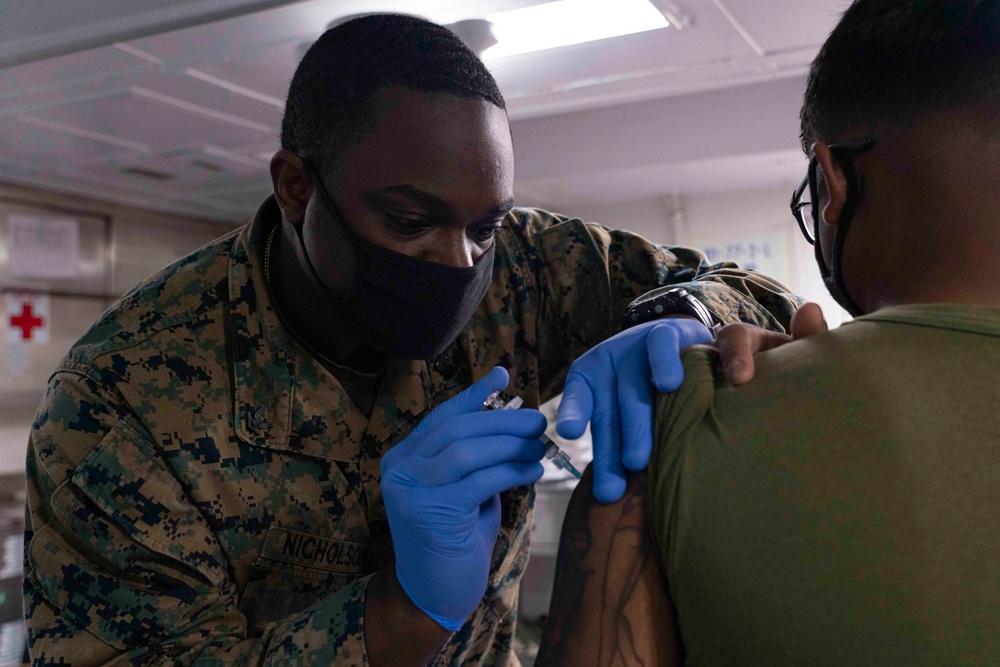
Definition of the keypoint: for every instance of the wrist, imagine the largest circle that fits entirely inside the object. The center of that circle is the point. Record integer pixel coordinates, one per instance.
(449, 624)
(397, 631)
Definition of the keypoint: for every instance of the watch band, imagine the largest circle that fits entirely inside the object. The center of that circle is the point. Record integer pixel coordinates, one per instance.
(673, 301)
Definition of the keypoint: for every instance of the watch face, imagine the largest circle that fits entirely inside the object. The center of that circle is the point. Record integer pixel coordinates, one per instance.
(664, 306)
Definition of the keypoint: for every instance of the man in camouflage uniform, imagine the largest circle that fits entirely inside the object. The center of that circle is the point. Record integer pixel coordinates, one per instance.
(208, 479)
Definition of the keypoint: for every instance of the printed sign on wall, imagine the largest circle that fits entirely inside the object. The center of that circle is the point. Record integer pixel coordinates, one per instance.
(43, 247)
(767, 253)
(27, 319)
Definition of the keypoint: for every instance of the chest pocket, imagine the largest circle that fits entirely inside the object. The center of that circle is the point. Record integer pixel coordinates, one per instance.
(296, 570)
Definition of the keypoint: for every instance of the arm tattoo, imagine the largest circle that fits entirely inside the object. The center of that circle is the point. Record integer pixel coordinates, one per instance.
(610, 606)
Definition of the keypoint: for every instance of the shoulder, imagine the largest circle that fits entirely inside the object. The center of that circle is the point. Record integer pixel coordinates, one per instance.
(535, 227)
(707, 414)
(679, 411)
(181, 292)
(531, 221)
(557, 243)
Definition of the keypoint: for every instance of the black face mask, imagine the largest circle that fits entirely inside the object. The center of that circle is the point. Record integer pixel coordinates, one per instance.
(833, 277)
(404, 306)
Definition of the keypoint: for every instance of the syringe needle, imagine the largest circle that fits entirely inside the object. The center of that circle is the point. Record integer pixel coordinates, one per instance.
(552, 451)
(558, 457)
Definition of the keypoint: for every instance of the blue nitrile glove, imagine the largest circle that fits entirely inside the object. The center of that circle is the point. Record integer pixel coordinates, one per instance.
(441, 487)
(611, 386)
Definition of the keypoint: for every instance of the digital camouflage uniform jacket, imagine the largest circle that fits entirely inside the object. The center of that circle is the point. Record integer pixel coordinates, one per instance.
(201, 491)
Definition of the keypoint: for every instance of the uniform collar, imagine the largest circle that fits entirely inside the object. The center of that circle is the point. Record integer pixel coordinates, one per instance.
(285, 399)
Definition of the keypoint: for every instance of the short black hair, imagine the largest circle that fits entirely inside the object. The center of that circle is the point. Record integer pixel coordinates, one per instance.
(890, 62)
(331, 99)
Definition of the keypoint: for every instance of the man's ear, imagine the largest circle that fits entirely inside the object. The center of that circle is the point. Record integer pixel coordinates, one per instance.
(836, 183)
(290, 182)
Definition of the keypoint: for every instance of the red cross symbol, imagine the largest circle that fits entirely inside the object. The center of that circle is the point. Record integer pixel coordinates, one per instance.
(26, 321)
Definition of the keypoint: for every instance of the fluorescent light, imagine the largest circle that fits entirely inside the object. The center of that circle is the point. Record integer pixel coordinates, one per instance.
(569, 22)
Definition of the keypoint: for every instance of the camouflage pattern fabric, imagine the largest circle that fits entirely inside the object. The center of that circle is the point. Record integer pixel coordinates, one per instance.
(201, 491)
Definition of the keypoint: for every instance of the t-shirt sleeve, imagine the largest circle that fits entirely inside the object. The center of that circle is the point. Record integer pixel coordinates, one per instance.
(121, 566)
(678, 418)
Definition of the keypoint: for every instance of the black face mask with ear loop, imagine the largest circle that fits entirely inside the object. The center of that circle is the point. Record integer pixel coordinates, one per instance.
(833, 277)
(404, 306)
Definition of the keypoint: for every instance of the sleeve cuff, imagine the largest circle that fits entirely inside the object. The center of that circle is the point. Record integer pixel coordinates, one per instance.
(331, 632)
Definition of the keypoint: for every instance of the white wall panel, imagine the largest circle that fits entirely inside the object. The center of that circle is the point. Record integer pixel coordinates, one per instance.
(15, 426)
(142, 249)
(647, 217)
(91, 273)
(120, 246)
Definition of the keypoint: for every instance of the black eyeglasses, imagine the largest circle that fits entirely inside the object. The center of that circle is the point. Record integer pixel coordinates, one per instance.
(803, 211)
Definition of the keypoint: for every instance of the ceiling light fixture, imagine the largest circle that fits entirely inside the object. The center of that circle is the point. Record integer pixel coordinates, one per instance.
(476, 33)
(567, 22)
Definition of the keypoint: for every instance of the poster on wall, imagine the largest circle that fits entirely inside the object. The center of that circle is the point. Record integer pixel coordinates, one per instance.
(43, 247)
(766, 253)
(27, 319)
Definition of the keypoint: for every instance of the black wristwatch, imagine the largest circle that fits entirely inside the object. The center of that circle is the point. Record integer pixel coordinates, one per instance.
(669, 301)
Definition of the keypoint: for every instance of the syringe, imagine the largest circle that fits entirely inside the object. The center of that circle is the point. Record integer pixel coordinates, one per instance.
(552, 451)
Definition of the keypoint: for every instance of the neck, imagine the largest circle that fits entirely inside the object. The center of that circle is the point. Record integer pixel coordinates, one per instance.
(308, 311)
(931, 233)
(935, 254)
(962, 272)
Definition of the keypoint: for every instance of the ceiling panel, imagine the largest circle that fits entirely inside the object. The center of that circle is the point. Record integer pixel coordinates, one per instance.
(45, 28)
(225, 41)
(779, 25)
(158, 120)
(56, 77)
(198, 88)
(711, 39)
(200, 169)
(32, 141)
(706, 53)
(267, 71)
(79, 184)
(187, 120)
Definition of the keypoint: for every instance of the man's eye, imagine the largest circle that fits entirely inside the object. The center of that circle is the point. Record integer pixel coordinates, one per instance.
(405, 226)
(486, 233)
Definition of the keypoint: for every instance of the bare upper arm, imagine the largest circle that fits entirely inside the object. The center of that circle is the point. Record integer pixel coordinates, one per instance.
(610, 605)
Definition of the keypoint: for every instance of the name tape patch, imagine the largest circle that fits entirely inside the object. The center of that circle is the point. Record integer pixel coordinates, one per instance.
(291, 546)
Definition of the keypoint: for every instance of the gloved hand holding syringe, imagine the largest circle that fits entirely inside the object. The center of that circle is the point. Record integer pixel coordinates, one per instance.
(552, 451)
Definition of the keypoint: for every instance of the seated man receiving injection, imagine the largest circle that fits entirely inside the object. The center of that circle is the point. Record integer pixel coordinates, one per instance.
(839, 509)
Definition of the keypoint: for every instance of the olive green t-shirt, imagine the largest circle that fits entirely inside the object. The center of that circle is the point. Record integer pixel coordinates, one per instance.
(844, 507)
